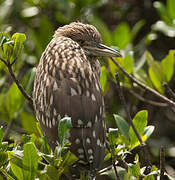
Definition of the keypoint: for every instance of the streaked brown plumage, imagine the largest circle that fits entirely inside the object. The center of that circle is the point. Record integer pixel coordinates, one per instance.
(67, 83)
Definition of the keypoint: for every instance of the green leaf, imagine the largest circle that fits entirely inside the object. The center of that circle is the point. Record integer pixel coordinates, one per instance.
(7, 175)
(171, 8)
(103, 78)
(155, 72)
(63, 129)
(167, 65)
(18, 39)
(113, 133)
(122, 35)
(155, 80)
(15, 165)
(30, 161)
(45, 31)
(137, 27)
(162, 11)
(142, 76)
(29, 123)
(13, 100)
(3, 158)
(127, 64)
(113, 68)
(8, 50)
(69, 159)
(4, 37)
(3, 146)
(140, 122)
(135, 170)
(53, 173)
(107, 157)
(122, 126)
(151, 175)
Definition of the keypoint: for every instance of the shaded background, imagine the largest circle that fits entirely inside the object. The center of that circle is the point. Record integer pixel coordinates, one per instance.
(132, 25)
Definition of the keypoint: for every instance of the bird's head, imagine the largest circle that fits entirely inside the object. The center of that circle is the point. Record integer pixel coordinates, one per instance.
(89, 39)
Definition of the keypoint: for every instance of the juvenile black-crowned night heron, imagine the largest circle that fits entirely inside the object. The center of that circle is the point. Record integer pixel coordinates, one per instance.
(67, 83)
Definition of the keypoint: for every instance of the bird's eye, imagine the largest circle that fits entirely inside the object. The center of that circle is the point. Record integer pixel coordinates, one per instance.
(82, 42)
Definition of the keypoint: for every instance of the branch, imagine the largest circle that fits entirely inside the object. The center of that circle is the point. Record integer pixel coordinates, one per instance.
(142, 144)
(115, 169)
(9, 66)
(13, 128)
(162, 163)
(120, 162)
(126, 109)
(165, 99)
(169, 91)
(154, 103)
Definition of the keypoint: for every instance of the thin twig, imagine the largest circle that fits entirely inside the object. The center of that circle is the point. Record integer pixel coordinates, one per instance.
(165, 99)
(154, 103)
(169, 91)
(123, 164)
(142, 144)
(115, 169)
(9, 66)
(162, 163)
(13, 128)
(126, 109)
(120, 163)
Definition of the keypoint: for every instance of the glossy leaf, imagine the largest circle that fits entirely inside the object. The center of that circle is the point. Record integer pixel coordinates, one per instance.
(127, 64)
(155, 80)
(167, 65)
(155, 72)
(18, 39)
(3, 158)
(122, 125)
(122, 35)
(13, 100)
(170, 8)
(53, 173)
(30, 161)
(63, 129)
(113, 133)
(29, 123)
(16, 165)
(8, 50)
(140, 122)
(137, 27)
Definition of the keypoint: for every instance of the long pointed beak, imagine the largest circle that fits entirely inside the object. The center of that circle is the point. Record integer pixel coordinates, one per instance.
(102, 50)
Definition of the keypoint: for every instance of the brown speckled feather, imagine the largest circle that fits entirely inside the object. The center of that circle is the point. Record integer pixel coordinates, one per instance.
(68, 84)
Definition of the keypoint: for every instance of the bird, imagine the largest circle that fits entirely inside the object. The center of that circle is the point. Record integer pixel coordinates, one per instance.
(67, 84)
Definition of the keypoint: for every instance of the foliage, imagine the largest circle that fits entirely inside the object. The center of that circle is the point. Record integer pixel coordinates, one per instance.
(29, 156)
